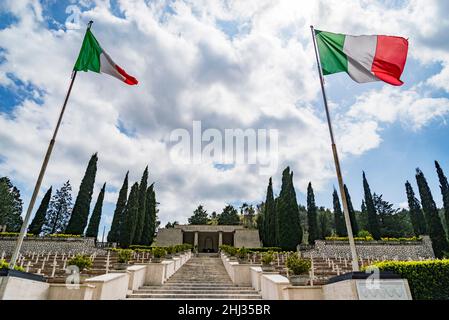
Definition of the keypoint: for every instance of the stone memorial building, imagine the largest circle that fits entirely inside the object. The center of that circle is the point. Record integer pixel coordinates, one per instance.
(208, 238)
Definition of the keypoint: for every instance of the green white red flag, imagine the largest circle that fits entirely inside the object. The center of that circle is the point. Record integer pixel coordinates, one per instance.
(92, 57)
(364, 58)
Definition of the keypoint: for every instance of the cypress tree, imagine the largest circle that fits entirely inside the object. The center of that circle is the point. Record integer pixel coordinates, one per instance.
(312, 219)
(373, 219)
(39, 218)
(94, 222)
(444, 187)
(340, 228)
(416, 214)
(289, 226)
(141, 214)
(80, 213)
(354, 224)
(270, 217)
(434, 225)
(114, 232)
(148, 231)
(128, 227)
(260, 222)
(154, 223)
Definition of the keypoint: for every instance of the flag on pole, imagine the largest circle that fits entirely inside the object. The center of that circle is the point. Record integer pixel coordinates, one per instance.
(92, 57)
(363, 58)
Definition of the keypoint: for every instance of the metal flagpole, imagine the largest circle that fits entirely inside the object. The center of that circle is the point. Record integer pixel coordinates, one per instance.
(355, 259)
(23, 229)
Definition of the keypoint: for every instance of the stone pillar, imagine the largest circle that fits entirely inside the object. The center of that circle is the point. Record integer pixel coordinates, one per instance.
(220, 238)
(195, 241)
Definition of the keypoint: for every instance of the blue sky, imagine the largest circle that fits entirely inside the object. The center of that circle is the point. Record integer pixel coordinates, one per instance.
(231, 65)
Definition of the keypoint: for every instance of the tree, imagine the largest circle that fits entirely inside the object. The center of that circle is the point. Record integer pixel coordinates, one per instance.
(354, 224)
(340, 227)
(415, 212)
(260, 223)
(444, 187)
(171, 225)
(141, 214)
(392, 224)
(270, 217)
(373, 220)
(199, 216)
(59, 210)
(248, 214)
(312, 219)
(289, 226)
(80, 213)
(229, 216)
(325, 217)
(94, 222)
(150, 217)
(36, 225)
(434, 226)
(114, 232)
(10, 206)
(128, 227)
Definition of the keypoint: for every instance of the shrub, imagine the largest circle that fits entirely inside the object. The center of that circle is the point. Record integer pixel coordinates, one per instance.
(267, 257)
(82, 261)
(428, 280)
(14, 234)
(265, 249)
(242, 253)
(170, 249)
(5, 265)
(62, 235)
(159, 252)
(297, 265)
(124, 255)
(364, 234)
(369, 238)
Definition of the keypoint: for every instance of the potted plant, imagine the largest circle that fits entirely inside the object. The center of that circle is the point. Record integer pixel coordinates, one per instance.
(267, 259)
(158, 254)
(298, 270)
(170, 252)
(232, 251)
(242, 255)
(123, 257)
(82, 262)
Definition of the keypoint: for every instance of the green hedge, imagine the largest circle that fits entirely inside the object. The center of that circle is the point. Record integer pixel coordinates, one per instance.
(369, 238)
(14, 234)
(428, 280)
(56, 235)
(231, 249)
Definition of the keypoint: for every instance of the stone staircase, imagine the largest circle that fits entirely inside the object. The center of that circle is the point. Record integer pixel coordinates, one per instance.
(201, 277)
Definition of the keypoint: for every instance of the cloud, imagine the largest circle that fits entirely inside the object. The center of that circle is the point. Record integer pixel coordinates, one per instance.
(190, 67)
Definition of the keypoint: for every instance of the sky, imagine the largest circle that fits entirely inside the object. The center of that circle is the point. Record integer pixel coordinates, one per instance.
(229, 64)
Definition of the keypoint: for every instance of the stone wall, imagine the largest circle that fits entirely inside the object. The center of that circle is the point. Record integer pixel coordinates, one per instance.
(247, 238)
(376, 250)
(168, 237)
(73, 245)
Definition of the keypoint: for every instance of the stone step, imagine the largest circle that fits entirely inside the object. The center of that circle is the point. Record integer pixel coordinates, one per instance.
(194, 291)
(194, 287)
(194, 296)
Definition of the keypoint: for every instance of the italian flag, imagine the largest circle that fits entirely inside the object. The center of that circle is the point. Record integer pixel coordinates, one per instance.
(92, 57)
(364, 58)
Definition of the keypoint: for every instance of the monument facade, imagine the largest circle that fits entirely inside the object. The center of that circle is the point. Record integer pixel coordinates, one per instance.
(208, 238)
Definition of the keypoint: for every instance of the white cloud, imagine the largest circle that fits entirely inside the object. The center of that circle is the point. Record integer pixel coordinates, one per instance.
(190, 69)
